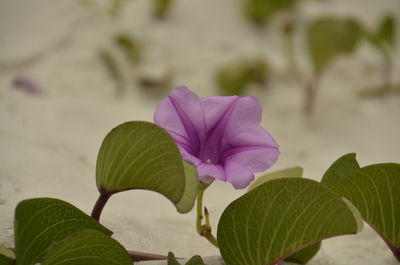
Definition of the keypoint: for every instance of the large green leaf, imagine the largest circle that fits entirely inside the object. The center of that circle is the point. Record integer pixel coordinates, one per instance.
(5, 260)
(293, 172)
(329, 37)
(86, 248)
(305, 254)
(375, 191)
(141, 155)
(341, 167)
(279, 218)
(40, 222)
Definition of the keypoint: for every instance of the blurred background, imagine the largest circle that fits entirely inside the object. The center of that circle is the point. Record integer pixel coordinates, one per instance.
(325, 71)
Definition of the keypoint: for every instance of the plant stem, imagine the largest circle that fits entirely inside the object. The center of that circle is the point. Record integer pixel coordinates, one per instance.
(142, 256)
(204, 230)
(310, 93)
(288, 33)
(99, 206)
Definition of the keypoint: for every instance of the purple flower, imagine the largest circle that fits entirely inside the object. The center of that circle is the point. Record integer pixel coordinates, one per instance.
(221, 136)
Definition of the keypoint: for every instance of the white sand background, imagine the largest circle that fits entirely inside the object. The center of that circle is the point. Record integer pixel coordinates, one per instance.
(49, 142)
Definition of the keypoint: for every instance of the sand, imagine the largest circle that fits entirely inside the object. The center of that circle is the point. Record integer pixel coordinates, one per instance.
(49, 142)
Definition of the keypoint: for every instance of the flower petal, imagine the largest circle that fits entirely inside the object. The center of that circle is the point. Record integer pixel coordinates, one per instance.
(238, 175)
(182, 115)
(215, 108)
(255, 159)
(208, 171)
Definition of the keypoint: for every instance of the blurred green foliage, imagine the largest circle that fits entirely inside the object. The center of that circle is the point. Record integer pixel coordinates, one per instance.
(161, 8)
(129, 46)
(234, 79)
(330, 37)
(259, 11)
(384, 39)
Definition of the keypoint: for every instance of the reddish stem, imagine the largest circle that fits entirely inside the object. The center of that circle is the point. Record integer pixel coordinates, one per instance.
(99, 206)
(310, 93)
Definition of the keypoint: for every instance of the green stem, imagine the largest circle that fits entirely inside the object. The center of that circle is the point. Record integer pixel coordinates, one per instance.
(204, 230)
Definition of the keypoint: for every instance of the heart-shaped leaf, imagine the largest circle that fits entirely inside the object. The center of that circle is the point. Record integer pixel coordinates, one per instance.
(142, 155)
(87, 247)
(341, 167)
(293, 172)
(329, 37)
(40, 222)
(279, 218)
(375, 191)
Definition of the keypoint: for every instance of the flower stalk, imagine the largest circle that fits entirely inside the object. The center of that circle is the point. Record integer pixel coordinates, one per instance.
(204, 230)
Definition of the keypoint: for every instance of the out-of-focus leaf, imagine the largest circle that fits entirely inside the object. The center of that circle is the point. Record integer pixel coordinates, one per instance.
(387, 30)
(142, 155)
(259, 11)
(280, 217)
(41, 222)
(330, 37)
(116, 7)
(375, 191)
(87, 247)
(234, 79)
(385, 36)
(293, 172)
(129, 47)
(161, 8)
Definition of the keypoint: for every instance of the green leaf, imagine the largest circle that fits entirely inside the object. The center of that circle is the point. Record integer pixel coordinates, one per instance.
(171, 259)
(304, 255)
(341, 167)
(87, 247)
(259, 11)
(279, 218)
(195, 260)
(6, 252)
(5, 260)
(129, 47)
(330, 37)
(234, 79)
(387, 31)
(293, 172)
(141, 155)
(375, 190)
(6, 256)
(40, 222)
(191, 187)
(161, 8)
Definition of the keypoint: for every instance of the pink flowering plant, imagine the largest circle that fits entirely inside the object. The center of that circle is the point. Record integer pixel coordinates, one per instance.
(194, 141)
